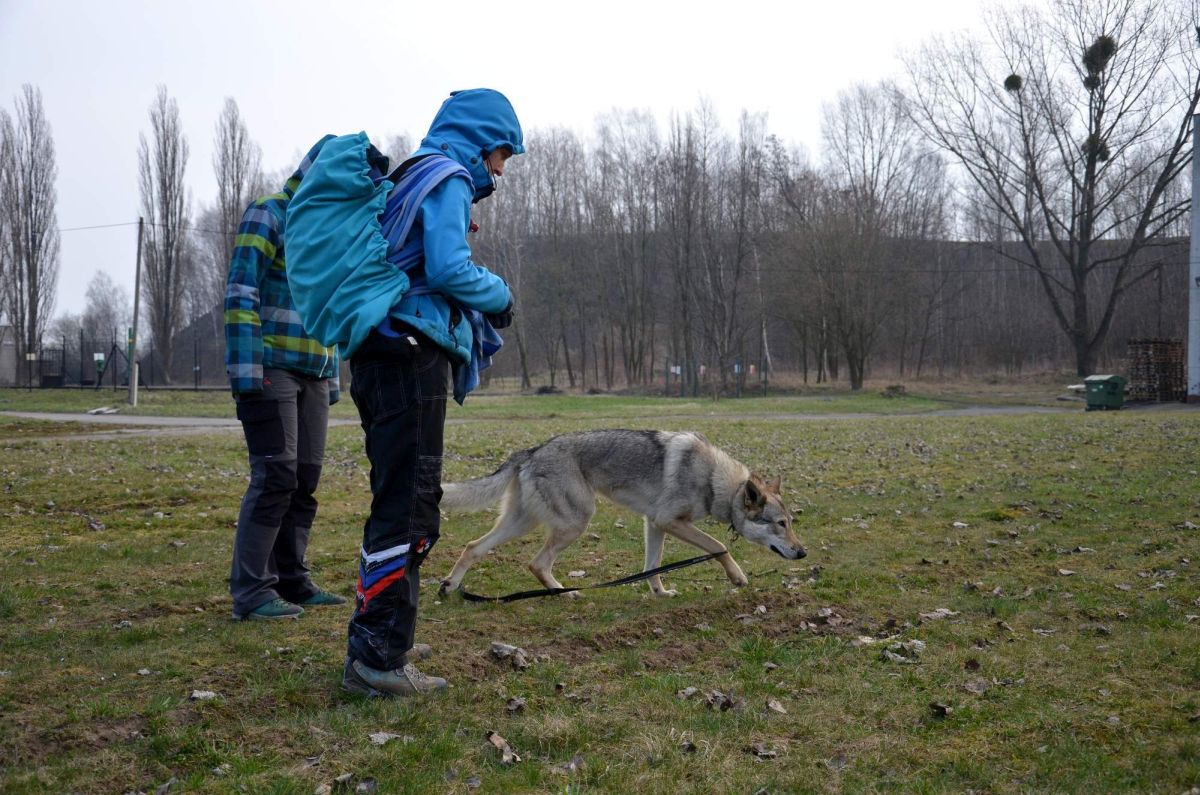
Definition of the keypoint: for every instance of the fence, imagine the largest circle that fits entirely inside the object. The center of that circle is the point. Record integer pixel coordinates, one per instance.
(89, 362)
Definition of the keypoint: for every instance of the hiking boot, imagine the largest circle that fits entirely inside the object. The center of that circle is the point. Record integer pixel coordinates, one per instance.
(322, 598)
(406, 681)
(276, 608)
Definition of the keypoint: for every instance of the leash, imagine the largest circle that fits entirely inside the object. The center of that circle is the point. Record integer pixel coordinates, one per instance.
(632, 578)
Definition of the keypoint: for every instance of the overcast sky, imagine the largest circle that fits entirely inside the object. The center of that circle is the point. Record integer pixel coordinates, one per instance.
(301, 69)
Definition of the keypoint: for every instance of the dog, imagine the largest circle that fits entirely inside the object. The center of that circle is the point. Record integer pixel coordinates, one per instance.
(673, 479)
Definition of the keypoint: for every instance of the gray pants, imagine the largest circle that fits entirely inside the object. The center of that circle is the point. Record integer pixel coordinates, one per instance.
(285, 435)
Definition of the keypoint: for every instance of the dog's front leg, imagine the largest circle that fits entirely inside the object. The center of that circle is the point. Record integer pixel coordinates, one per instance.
(686, 531)
(654, 553)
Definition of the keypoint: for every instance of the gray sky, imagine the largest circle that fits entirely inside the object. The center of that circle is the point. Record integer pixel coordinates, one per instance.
(300, 69)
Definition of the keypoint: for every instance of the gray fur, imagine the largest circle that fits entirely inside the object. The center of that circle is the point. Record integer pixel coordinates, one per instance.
(672, 478)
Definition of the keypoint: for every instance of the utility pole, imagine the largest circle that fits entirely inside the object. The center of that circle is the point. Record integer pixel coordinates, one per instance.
(133, 340)
(1193, 374)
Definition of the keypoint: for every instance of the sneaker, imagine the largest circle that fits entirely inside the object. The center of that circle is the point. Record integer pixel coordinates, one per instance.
(322, 598)
(276, 608)
(406, 681)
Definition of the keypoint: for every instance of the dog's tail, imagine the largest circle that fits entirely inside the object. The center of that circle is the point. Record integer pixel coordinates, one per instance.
(480, 493)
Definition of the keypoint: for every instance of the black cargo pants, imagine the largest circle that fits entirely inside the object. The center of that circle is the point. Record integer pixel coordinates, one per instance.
(399, 387)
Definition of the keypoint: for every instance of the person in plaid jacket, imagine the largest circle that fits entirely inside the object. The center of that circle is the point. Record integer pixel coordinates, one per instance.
(284, 382)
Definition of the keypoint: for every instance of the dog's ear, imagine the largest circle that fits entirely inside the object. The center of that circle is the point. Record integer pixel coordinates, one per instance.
(754, 498)
(774, 485)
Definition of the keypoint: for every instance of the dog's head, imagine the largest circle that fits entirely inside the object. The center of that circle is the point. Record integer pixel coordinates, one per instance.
(759, 515)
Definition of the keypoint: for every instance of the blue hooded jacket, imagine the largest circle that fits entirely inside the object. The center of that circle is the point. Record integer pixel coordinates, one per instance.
(337, 265)
(469, 125)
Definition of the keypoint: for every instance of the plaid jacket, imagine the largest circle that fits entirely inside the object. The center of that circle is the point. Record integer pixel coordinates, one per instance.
(262, 327)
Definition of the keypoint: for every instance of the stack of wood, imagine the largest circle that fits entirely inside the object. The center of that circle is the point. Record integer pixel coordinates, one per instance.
(1157, 370)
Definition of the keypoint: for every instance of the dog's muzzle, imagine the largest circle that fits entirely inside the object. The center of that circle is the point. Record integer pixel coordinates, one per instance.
(790, 554)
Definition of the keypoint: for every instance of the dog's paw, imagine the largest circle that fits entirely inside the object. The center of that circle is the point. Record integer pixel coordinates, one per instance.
(445, 588)
(740, 581)
(665, 592)
(572, 594)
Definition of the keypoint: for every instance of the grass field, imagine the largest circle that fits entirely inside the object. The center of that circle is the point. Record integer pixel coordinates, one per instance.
(1064, 548)
(593, 407)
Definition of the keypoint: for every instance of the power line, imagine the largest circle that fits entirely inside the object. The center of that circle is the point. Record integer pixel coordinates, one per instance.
(97, 226)
(148, 223)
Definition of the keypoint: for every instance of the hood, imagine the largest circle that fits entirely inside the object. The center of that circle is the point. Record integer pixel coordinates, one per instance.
(471, 124)
(289, 187)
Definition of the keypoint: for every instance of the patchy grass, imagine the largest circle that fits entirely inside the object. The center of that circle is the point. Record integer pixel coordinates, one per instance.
(115, 555)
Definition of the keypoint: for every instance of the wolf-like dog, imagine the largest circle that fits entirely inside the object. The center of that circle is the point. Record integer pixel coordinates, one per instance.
(672, 479)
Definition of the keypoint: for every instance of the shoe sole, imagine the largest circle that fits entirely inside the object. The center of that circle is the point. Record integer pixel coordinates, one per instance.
(255, 617)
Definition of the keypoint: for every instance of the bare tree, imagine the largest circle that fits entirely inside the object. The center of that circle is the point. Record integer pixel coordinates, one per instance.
(166, 205)
(29, 226)
(107, 308)
(1073, 124)
(878, 198)
(237, 165)
(624, 221)
(397, 148)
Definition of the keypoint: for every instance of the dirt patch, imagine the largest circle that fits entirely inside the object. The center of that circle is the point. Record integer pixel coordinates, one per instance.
(91, 735)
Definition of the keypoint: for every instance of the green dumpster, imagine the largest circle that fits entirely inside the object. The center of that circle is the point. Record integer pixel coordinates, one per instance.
(1105, 392)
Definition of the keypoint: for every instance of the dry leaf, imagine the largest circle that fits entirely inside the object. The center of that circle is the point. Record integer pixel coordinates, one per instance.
(976, 686)
(904, 652)
(567, 768)
(761, 752)
(507, 755)
(775, 706)
(1065, 573)
(515, 704)
(940, 613)
(722, 702)
(383, 738)
(939, 709)
(514, 654)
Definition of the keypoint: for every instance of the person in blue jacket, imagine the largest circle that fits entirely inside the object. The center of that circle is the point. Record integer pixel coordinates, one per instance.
(400, 371)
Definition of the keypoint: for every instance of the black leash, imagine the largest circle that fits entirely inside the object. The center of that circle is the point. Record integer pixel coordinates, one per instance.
(645, 575)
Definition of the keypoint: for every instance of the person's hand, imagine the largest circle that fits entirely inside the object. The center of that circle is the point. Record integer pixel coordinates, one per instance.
(502, 319)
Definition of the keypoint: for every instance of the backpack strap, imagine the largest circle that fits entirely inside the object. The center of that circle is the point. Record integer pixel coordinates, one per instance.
(416, 182)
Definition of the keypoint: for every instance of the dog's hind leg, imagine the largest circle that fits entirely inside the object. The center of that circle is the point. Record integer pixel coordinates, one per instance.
(508, 526)
(686, 531)
(654, 552)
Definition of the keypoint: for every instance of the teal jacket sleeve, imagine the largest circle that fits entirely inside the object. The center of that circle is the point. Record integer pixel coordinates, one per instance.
(445, 216)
